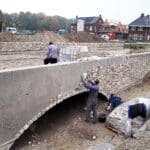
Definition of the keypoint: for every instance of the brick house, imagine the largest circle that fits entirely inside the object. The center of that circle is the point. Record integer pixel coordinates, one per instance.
(87, 24)
(139, 29)
(115, 30)
(99, 27)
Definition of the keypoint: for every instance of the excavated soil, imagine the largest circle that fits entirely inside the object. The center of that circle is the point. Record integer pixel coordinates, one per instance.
(64, 128)
(6, 37)
(50, 36)
(38, 37)
(83, 37)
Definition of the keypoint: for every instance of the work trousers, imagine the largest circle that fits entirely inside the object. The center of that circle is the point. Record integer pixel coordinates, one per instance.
(50, 60)
(91, 107)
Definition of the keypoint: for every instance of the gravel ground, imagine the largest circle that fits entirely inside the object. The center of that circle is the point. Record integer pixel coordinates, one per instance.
(26, 59)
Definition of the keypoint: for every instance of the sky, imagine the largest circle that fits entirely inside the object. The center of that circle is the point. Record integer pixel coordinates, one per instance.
(125, 11)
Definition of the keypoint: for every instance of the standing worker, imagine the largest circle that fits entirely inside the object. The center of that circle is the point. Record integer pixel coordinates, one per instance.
(52, 54)
(92, 100)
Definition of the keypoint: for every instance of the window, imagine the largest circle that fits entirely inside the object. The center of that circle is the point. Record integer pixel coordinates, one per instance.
(90, 28)
(133, 28)
(140, 29)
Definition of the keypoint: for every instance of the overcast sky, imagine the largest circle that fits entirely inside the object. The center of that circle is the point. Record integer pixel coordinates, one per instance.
(121, 10)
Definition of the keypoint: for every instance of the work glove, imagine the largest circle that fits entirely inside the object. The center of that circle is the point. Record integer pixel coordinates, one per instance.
(84, 77)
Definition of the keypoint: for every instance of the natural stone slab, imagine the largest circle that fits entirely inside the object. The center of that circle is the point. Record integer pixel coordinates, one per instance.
(117, 119)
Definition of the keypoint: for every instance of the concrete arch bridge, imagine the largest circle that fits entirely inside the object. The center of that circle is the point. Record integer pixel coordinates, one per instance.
(27, 93)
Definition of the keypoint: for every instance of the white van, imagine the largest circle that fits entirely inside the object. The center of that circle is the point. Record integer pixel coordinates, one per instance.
(105, 36)
(11, 30)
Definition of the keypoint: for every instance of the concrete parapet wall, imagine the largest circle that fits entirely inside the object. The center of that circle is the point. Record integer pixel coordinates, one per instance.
(27, 93)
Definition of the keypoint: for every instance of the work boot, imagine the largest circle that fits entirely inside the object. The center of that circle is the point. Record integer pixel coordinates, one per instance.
(87, 120)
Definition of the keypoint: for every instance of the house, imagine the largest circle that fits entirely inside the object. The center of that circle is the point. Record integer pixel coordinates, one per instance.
(87, 24)
(139, 29)
(114, 29)
(96, 25)
(121, 31)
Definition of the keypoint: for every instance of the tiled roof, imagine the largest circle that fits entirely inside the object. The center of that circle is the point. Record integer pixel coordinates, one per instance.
(114, 26)
(87, 20)
(143, 21)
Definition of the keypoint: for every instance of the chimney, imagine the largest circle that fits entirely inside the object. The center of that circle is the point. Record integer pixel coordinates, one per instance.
(142, 15)
(100, 16)
(147, 16)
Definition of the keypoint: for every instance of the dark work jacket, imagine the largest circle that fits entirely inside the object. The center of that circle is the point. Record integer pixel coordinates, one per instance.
(93, 92)
(114, 101)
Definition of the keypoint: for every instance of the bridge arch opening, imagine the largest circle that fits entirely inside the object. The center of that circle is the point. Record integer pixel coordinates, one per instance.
(53, 121)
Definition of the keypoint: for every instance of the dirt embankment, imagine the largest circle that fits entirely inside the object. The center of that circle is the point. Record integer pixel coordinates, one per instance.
(38, 37)
(82, 37)
(50, 36)
(6, 37)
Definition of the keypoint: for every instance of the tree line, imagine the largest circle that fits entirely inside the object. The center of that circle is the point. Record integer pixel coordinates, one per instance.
(34, 21)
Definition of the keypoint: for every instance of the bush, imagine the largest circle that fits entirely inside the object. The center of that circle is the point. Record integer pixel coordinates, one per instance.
(134, 46)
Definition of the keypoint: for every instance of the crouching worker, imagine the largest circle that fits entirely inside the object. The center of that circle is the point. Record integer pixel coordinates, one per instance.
(52, 54)
(113, 102)
(92, 100)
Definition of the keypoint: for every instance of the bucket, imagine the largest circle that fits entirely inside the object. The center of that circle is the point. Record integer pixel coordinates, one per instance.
(102, 117)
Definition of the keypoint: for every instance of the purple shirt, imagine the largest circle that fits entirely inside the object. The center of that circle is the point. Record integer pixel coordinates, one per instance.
(53, 51)
(91, 87)
(93, 92)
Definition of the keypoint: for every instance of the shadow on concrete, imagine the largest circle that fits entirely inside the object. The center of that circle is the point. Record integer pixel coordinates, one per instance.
(59, 116)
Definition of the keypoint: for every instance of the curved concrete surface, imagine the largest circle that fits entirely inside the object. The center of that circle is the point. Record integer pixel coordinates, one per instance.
(27, 93)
